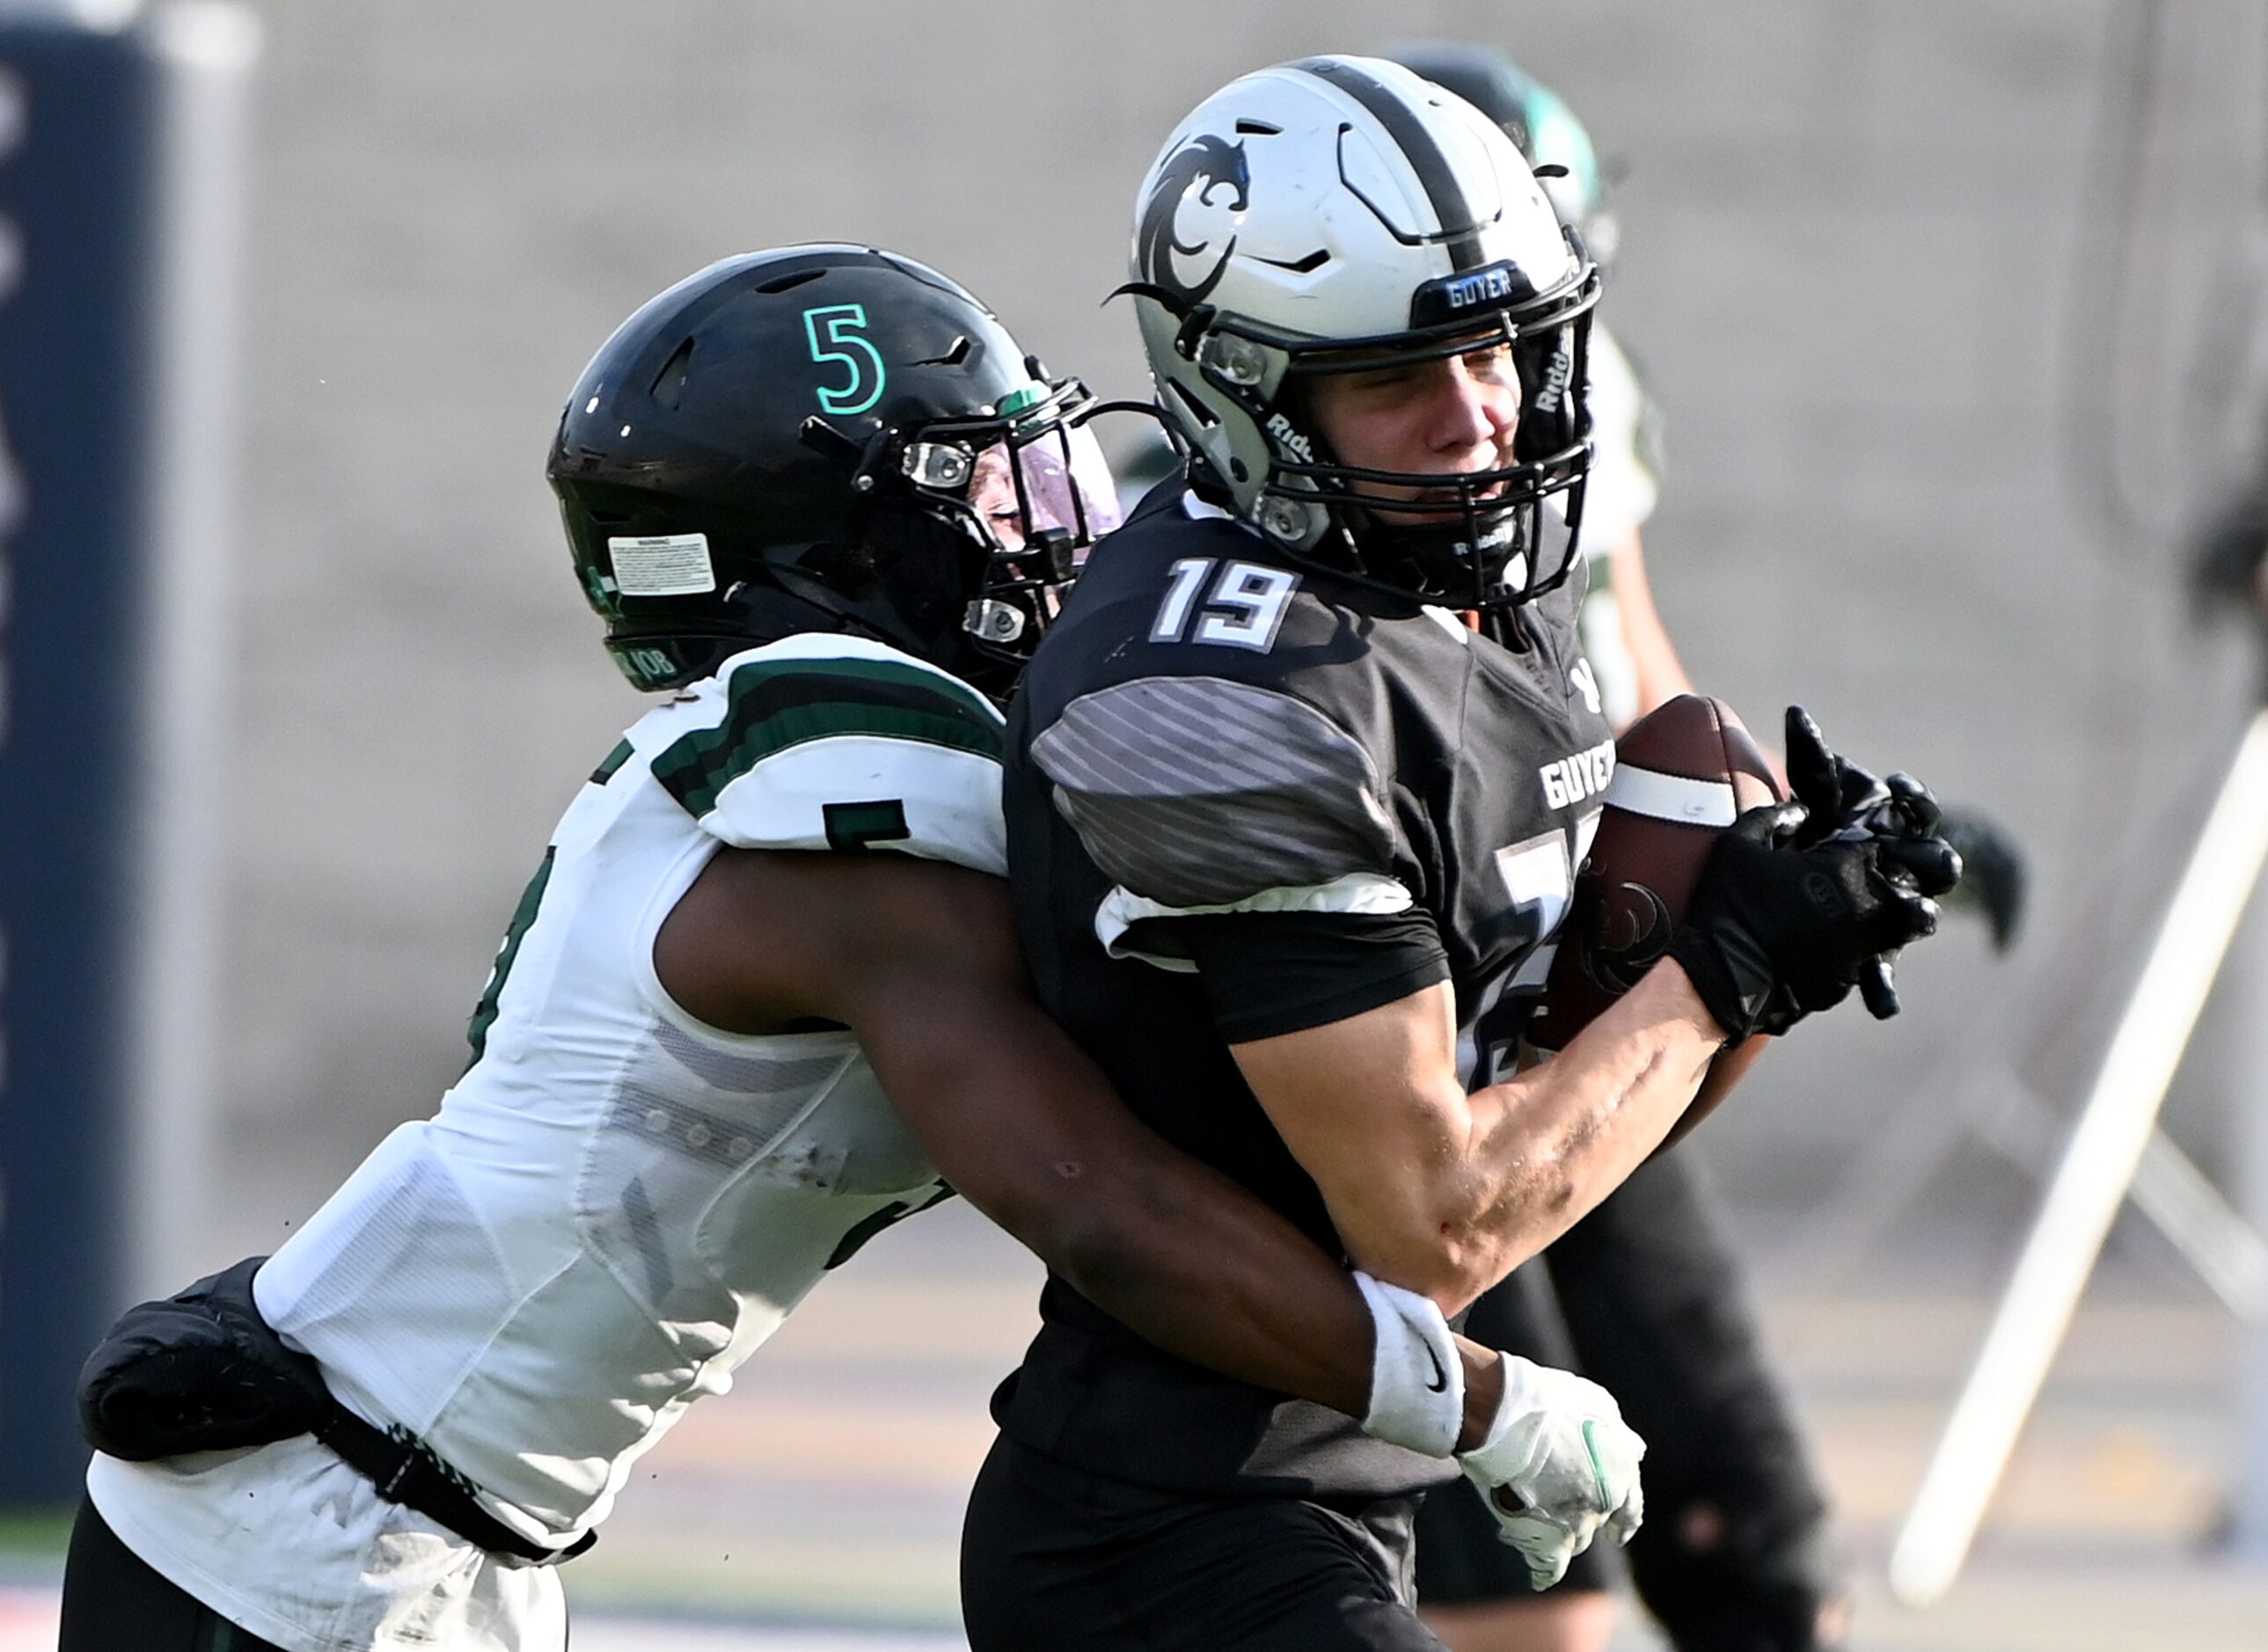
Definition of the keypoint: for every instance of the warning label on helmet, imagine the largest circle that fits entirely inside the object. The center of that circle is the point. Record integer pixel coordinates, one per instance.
(670, 565)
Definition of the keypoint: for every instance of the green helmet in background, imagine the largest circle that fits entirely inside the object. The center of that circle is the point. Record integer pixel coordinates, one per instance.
(1540, 124)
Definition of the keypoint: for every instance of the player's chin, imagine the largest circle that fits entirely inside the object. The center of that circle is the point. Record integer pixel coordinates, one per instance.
(1433, 510)
(1444, 504)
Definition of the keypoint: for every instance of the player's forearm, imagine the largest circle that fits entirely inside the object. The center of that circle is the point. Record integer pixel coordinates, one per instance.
(1443, 1192)
(1483, 1368)
(1028, 1132)
(1551, 1143)
(1190, 1262)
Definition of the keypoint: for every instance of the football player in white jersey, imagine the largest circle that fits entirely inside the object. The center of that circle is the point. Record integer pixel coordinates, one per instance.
(760, 999)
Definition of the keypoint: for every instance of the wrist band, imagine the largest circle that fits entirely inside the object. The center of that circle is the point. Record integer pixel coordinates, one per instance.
(1417, 1382)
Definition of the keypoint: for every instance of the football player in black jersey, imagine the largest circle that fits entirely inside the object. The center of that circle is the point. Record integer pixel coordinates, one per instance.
(1296, 790)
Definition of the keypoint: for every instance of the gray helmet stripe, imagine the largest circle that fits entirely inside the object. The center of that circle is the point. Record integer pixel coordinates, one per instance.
(1459, 226)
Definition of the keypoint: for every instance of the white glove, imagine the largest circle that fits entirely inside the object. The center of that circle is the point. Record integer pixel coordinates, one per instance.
(1558, 1463)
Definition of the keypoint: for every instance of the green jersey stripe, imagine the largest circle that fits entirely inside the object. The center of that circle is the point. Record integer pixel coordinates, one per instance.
(622, 753)
(523, 917)
(774, 705)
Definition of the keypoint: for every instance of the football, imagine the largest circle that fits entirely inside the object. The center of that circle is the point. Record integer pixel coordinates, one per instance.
(1682, 772)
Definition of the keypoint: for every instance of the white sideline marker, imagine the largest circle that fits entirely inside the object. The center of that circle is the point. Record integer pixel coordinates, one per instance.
(2091, 1180)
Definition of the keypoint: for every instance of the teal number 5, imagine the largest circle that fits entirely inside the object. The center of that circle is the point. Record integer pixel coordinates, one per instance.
(839, 324)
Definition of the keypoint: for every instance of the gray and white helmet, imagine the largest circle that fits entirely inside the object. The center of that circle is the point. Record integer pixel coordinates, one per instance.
(1339, 214)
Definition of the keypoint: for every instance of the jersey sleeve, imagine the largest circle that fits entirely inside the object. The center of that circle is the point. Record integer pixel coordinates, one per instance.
(1251, 841)
(1268, 975)
(834, 744)
(1207, 793)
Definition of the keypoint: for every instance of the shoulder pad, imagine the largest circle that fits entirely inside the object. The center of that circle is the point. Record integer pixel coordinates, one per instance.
(837, 742)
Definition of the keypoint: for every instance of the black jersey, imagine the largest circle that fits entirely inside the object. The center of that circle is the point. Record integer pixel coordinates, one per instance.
(1243, 799)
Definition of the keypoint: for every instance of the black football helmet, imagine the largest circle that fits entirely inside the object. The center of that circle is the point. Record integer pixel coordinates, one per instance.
(824, 439)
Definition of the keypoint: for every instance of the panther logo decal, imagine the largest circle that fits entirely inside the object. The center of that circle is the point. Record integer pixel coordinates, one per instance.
(1195, 175)
(1623, 936)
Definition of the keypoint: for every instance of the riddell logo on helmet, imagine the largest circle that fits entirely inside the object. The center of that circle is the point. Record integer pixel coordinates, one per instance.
(1555, 382)
(1288, 436)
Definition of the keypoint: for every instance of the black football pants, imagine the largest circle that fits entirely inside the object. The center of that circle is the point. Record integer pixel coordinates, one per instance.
(1054, 1557)
(114, 1602)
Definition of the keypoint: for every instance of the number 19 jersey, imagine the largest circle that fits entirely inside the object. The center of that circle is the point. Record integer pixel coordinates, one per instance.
(1344, 796)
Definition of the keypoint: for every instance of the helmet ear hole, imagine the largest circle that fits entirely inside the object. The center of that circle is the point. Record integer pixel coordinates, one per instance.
(1193, 405)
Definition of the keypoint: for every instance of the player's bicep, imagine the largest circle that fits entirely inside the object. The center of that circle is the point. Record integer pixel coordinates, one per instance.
(765, 939)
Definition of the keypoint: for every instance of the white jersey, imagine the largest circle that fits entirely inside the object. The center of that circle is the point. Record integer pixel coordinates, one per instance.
(1625, 481)
(615, 1205)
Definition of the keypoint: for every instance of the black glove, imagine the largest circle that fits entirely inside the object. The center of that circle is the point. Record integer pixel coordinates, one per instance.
(1836, 795)
(1847, 802)
(1842, 798)
(1993, 875)
(1801, 901)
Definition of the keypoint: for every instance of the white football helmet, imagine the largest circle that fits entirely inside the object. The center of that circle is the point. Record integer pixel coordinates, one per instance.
(1340, 214)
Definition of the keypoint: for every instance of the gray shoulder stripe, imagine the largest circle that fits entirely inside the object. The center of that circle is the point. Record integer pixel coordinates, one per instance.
(1116, 750)
(1199, 791)
(1219, 852)
(1156, 735)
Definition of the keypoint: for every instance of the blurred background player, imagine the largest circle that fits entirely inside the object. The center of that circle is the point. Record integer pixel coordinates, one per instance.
(1646, 1294)
(822, 500)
